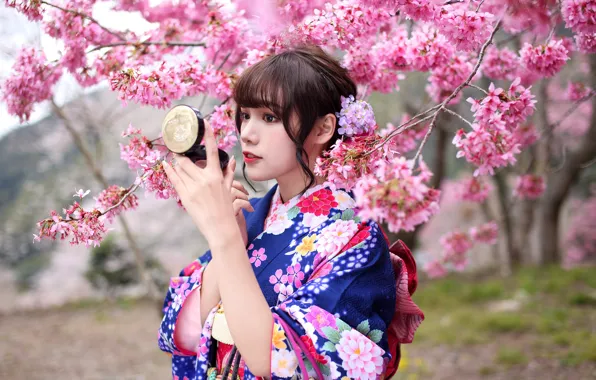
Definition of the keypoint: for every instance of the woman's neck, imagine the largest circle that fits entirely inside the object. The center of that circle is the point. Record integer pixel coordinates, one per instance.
(291, 186)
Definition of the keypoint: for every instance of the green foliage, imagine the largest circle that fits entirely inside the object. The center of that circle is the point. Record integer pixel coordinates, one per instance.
(552, 315)
(110, 268)
(504, 322)
(28, 268)
(511, 356)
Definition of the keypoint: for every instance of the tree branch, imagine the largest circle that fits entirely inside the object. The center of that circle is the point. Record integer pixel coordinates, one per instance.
(459, 88)
(84, 15)
(147, 43)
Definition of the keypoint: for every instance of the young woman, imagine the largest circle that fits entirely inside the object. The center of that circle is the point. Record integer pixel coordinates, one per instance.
(294, 282)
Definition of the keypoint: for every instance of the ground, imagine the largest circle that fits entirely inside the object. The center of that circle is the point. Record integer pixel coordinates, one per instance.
(539, 324)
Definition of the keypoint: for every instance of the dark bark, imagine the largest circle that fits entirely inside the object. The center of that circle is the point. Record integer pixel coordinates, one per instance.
(513, 259)
(539, 157)
(559, 183)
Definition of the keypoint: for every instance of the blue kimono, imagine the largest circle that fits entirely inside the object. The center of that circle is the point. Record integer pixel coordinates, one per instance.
(340, 300)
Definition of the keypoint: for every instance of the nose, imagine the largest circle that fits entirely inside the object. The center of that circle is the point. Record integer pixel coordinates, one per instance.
(248, 132)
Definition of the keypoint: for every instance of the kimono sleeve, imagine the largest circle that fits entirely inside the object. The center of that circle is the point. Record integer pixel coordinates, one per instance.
(340, 315)
(180, 288)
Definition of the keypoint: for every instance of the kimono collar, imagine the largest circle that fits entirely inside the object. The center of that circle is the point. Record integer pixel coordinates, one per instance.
(277, 204)
(255, 220)
(269, 205)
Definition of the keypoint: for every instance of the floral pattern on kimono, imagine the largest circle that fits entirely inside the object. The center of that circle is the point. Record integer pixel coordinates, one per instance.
(325, 274)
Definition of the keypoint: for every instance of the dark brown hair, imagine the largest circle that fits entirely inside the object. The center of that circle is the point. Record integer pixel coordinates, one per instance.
(304, 80)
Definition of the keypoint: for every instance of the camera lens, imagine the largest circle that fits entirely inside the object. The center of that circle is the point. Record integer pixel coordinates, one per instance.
(183, 129)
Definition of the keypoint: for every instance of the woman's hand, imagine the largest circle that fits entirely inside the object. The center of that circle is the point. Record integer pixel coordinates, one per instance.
(240, 201)
(204, 191)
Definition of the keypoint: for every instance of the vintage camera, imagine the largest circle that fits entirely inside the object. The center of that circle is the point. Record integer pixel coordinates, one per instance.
(183, 129)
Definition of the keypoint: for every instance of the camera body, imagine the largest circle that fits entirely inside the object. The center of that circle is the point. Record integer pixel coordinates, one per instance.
(183, 129)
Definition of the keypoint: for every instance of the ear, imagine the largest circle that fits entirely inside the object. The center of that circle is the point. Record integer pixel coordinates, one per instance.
(324, 129)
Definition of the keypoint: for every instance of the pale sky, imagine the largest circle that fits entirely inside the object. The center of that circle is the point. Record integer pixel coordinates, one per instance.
(16, 31)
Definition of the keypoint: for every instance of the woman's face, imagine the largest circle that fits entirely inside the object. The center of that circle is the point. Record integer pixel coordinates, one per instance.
(262, 134)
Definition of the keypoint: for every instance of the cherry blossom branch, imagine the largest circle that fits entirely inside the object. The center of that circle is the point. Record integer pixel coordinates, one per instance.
(571, 109)
(477, 88)
(405, 126)
(84, 15)
(458, 89)
(439, 107)
(459, 116)
(147, 43)
(130, 190)
(511, 38)
(589, 163)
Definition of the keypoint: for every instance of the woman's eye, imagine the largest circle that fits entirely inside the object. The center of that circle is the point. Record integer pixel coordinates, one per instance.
(244, 116)
(270, 118)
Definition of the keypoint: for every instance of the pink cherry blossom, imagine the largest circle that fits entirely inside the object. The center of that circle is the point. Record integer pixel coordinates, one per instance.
(155, 180)
(500, 63)
(529, 186)
(420, 10)
(526, 135)
(546, 60)
(579, 15)
(427, 49)
(474, 189)
(224, 127)
(486, 148)
(456, 242)
(455, 246)
(445, 79)
(580, 239)
(31, 81)
(396, 194)
(586, 43)
(405, 141)
(30, 8)
(111, 196)
(466, 29)
(485, 233)
(341, 24)
(346, 160)
(78, 225)
(139, 153)
(434, 269)
(577, 90)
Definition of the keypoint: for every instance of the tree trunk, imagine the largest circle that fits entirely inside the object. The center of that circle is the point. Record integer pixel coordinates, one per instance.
(539, 158)
(150, 288)
(559, 183)
(511, 260)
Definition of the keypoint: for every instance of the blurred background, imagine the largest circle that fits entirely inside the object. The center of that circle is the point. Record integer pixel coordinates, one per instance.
(68, 312)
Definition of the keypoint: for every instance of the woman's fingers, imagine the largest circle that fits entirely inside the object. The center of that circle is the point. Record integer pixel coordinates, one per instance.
(174, 177)
(237, 194)
(185, 168)
(211, 147)
(240, 204)
(239, 186)
(229, 173)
